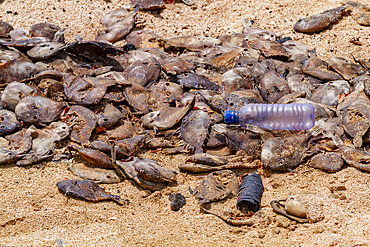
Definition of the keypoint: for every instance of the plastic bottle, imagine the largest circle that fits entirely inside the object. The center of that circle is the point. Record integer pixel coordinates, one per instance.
(274, 116)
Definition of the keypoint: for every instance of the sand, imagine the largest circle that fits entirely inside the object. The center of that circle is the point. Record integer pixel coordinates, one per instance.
(34, 213)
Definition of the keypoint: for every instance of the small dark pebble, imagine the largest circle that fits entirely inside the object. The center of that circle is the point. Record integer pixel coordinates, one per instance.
(177, 201)
(282, 40)
(129, 47)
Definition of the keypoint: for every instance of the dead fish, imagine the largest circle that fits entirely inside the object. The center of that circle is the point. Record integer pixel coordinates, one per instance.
(126, 130)
(117, 30)
(5, 29)
(38, 110)
(328, 162)
(20, 142)
(327, 94)
(148, 4)
(296, 50)
(356, 158)
(97, 175)
(270, 49)
(241, 139)
(216, 186)
(130, 172)
(17, 70)
(197, 168)
(193, 80)
(45, 30)
(52, 89)
(13, 93)
(7, 156)
(319, 22)
(163, 93)
(137, 96)
(345, 68)
(194, 129)
(144, 39)
(45, 50)
(167, 117)
(225, 61)
(43, 143)
(95, 51)
(8, 122)
(273, 87)
(92, 156)
(284, 153)
(177, 201)
(150, 170)
(42, 148)
(109, 117)
(207, 159)
(301, 83)
(193, 43)
(130, 146)
(8, 55)
(356, 121)
(237, 79)
(234, 219)
(155, 143)
(87, 190)
(177, 65)
(81, 91)
(144, 72)
(84, 121)
(318, 68)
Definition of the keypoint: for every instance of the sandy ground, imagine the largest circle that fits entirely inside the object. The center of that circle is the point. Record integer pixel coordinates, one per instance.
(34, 213)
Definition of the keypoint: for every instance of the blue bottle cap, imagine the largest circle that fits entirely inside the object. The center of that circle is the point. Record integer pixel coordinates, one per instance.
(231, 117)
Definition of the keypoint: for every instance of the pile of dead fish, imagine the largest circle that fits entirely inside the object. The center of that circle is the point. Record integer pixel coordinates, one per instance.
(110, 103)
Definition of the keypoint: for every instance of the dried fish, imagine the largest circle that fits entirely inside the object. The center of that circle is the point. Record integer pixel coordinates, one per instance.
(92, 156)
(207, 159)
(8, 122)
(167, 117)
(273, 87)
(328, 162)
(5, 29)
(130, 172)
(84, 121)
(117, 29)
(345, 68)
(319, 22)
(45, 30)
(194, 129)
(16, 70)
(193, 43)
(109, 117)
(193, 80)
(144, 72)
(150, 170)
(284, 153)
(13, 93)
(38, 110)
(45, 50)
(87, 190)
(97, 175)
(216, 186)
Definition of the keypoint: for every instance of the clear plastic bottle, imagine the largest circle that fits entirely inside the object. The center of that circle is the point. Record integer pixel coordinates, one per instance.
(274, 116)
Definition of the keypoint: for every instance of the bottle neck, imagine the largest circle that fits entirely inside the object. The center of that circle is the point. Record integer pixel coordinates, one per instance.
(231, 117)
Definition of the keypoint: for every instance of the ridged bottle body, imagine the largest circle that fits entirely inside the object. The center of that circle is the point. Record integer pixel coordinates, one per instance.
(277, 116)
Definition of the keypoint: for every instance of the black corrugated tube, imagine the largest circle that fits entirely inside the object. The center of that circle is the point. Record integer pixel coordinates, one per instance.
(250, 193)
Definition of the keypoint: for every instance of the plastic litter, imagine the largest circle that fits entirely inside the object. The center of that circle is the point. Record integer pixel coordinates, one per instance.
(250, 193)
(274, 116)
